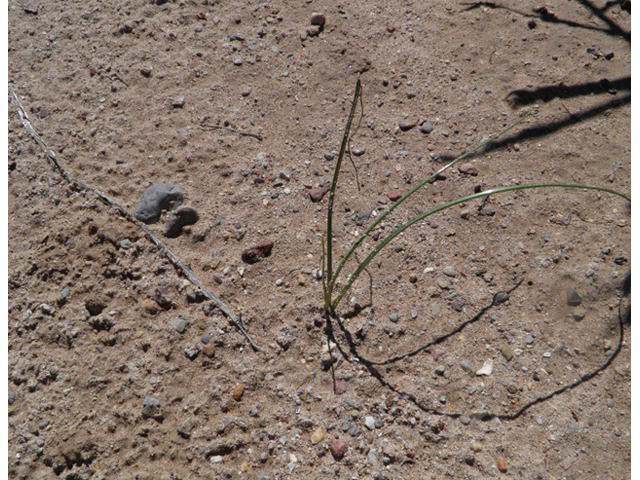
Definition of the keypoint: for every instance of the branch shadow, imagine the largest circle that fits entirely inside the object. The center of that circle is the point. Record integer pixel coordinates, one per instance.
(545, 129)
(544, 15)
(481, 415)
(518, 98)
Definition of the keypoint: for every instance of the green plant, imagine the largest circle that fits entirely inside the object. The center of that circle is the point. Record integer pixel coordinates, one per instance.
(330, 277)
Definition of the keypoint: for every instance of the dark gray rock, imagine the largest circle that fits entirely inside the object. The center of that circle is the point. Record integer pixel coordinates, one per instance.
(158, 197)
(573, 299)
(182, 217)
(151, 409)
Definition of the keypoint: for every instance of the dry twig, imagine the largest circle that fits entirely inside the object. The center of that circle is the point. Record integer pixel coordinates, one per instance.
(234, 319)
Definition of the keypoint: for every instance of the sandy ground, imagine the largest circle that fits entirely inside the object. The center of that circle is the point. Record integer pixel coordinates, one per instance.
(119, 368)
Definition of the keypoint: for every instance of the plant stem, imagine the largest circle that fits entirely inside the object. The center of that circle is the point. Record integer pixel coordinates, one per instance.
(334, 184)
(444, 206)
(360, 239)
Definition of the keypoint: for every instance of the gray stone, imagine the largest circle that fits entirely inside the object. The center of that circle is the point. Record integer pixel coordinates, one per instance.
(573, 299)
(449, 271)
(370, 423)
(151, 409)
(528, 339)
(372, 456)
(66, 291)
(179, 102)
(467, 367)
(178, 324)
(126, 243)
(579, 313)
(158, 197)
(500, 297)
(426, 127)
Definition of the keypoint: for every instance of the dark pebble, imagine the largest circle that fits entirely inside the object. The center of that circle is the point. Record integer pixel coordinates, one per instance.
(12, 399)
(182, 217)
(158, 197)
(500, 297)
(573, 299)
(257, 252)
(162, 299)
(317, 19)
(608, 54)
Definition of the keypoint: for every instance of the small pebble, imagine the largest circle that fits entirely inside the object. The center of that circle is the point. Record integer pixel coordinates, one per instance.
(257, 252)
(573, 299)
(179, 102)
(528, 339)
(502, 465)
(450, 271)
(468, 168)
(358, 152)
(237, 392)
(394, 317)
(338, 448)
(182, 217)
(317, 436)
(426, 127)
(472, 390)
(316, 194)
(487, 368)
(179, 325)
(341, 387)
(407, 125)
(507, 353)
(370, 423)
(467, 367)
(237, 60)
(500, 297)
(317, 19)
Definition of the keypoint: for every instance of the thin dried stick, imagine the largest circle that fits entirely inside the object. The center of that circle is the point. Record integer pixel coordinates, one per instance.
(235, 320)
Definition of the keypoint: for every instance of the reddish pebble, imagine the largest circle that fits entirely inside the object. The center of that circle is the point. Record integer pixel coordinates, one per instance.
(468, 168)
(502, 465)
(383, 200)
(341, 387)
(317, 19)
(338, 448)
(316, 194)
(394, 196)
(391, 28)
